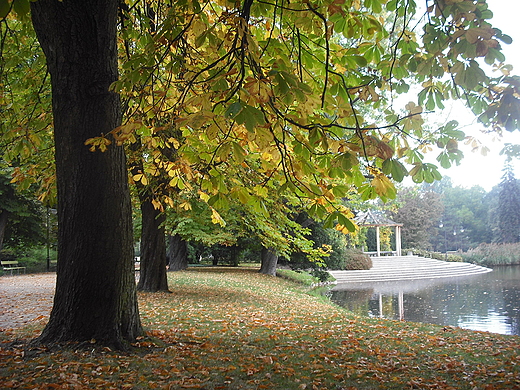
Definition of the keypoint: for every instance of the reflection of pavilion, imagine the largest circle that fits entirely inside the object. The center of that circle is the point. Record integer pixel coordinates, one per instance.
(373, 219)
(400, 305)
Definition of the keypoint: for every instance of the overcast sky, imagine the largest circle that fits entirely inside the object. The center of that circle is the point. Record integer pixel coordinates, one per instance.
(476, 169)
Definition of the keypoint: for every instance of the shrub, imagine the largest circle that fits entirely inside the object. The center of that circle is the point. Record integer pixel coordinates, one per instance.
(355, 259)
(321, 275)
(456, 258)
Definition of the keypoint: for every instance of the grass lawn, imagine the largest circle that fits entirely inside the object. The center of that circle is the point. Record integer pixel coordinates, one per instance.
(231, 328)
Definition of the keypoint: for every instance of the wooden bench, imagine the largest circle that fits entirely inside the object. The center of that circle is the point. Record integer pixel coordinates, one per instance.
(11, 265)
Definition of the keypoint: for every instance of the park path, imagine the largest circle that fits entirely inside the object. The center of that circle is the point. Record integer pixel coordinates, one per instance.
(25, 299)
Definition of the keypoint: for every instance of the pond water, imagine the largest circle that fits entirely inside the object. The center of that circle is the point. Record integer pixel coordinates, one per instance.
(486, 302)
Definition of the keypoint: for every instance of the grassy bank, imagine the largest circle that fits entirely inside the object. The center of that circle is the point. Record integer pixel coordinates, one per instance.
(225, 328)
(494, 254)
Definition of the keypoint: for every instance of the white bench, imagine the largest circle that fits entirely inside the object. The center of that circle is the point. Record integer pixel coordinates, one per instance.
(12, 265)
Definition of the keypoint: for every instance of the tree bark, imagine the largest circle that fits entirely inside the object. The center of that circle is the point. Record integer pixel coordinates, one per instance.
(177, 253)
(152, 276)
(269, 259)
(95, 289)
(4, 216)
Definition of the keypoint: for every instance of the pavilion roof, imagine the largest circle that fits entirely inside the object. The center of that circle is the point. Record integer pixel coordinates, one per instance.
(374, 218)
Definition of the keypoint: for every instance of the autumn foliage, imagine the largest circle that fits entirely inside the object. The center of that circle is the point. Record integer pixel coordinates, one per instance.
(227, 328)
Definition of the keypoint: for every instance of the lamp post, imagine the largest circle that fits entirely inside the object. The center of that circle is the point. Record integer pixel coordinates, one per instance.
(49, 212)
(441, 225)
(455, 233)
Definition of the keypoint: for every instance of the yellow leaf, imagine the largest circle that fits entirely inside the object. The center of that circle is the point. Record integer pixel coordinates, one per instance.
(173, 182)
(157, 205)
(261, 191)
(185, 206)
(203, 196)
(382, 184)
(169, 201)
(140, 178)
(216, 218)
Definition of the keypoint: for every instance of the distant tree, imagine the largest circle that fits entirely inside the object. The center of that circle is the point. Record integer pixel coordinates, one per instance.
(177, 253)
(419, 213)
(21, 217)
(467, 218)
(491, 202)
(269, 261)
(153, 249)
(509, 207)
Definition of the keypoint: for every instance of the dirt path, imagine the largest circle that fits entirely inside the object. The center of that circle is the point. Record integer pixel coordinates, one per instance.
(25, 299)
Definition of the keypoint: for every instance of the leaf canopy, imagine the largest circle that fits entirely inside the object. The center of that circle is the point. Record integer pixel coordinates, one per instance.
(242, 103)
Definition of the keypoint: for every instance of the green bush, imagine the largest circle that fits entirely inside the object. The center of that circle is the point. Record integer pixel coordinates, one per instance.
(321, 275)
(33, 258)
(321, 236)
(355, 259)
(494, 254)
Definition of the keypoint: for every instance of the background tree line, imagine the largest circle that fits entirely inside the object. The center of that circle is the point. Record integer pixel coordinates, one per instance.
(445, 217)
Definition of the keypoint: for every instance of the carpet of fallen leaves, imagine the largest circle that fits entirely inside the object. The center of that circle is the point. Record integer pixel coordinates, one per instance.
(25, 299)
(224, 328)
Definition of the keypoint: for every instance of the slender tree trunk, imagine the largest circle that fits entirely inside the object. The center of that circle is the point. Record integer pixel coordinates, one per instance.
(177, 253)
(4, 216)
(153, 250)
(95, 289)
(269, 261)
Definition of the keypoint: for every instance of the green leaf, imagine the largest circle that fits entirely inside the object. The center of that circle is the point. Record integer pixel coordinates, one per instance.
(444, 160)
(219, 201)
(340, 191)
(239, 154)
(398, 171)
(233, 110)
(21, 7)
(199, 41)
(329, 221)
(342, 220)
(250, 117)
(5, 7)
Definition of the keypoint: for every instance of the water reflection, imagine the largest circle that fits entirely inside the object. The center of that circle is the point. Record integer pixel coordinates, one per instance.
(487, 302)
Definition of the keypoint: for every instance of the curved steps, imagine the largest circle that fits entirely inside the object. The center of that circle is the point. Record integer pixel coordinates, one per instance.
(395, 268)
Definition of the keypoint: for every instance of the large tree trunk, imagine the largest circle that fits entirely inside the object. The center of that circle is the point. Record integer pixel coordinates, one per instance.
(269, 259)
(4, 216)
(177, 253)
(95, 289)
(153, 250)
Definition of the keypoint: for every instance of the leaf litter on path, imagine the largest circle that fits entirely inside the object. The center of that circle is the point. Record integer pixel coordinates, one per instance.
(25, 299)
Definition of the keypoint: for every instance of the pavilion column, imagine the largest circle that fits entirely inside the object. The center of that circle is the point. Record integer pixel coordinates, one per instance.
(398, 244)
(378, 240)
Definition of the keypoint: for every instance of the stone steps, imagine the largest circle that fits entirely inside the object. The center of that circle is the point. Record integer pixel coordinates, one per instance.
(394, 268)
